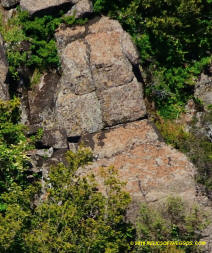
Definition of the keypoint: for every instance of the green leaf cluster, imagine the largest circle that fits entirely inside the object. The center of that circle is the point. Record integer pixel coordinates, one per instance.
(14, 145)
(30, 41)
(70, 213)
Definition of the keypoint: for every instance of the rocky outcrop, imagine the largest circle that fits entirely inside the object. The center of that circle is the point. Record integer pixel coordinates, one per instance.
(4, 94)
(99, 100)
(9, 3)
(39, 7)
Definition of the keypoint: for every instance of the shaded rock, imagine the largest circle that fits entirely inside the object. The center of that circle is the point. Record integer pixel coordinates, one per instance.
(4, 94)
(38, 107)
(98, 87)
(151, 169)
(55, 138)
(81, 9)
(41, 101)
(203, 88)
(42, 160)
(40, 7)
(9, 3)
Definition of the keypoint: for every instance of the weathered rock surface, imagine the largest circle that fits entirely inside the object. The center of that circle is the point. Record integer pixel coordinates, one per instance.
(9, 3)
(203, 88)
(203, 91)
(77, 7)
(98, 87)
(151, 169)
(4, 94)
(99, 98)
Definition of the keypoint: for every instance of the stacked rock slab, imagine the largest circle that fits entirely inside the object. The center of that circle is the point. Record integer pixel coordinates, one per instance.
(4, 94)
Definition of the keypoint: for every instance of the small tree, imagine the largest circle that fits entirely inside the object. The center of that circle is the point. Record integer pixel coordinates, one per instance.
(74, 216)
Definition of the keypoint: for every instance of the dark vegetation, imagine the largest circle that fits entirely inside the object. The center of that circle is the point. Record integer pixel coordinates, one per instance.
(69, 214)
(30, 42)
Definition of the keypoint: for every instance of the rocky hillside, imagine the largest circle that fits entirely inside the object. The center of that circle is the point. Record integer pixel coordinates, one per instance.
(96, 98)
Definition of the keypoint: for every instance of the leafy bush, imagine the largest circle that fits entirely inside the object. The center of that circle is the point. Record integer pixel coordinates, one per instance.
(174, 40)
(14, 144)
(71, 216)
(170, 221)
(30, 41)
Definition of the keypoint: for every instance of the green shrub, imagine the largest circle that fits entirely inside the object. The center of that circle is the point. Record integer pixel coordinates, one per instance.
(170, 221)
(13, 146)
(73, 215)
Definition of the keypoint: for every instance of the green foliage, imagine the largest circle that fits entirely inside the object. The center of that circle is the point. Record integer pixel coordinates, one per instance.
(14, 163)
(170, 221)
(30, 41)
(173, 87)
(174, 40)
(72, 214)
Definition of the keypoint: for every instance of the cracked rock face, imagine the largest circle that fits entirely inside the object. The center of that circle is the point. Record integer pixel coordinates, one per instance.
(77, 7)
(4, 94)
(151, 169)
(98, 87)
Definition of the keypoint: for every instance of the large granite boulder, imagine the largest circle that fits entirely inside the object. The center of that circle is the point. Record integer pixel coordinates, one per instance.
(4, 94)
(98, 87)
(151, 169)
(39, 7)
